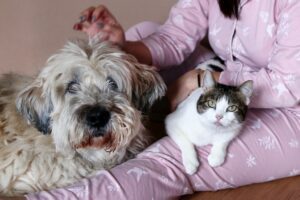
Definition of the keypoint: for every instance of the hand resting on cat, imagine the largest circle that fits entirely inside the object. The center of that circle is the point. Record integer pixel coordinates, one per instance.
(212, 114)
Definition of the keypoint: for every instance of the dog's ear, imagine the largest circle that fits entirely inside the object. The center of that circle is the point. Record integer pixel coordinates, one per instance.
(35, 105)
(148, 86)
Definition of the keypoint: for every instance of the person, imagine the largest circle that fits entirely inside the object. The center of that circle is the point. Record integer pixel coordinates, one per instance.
(259, 41)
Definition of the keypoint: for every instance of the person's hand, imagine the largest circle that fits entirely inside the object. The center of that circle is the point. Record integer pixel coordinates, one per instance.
(182, 87)
(98, 23)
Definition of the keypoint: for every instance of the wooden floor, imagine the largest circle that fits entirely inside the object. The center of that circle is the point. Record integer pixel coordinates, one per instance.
(284, 189)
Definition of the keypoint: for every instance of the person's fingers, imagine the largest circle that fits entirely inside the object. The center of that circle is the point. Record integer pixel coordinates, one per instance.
(100, 25)
(182, 87)
(101, 12)
(77, 27)
(172, 93)
(86, 15)
(116, 33)
(82, 26)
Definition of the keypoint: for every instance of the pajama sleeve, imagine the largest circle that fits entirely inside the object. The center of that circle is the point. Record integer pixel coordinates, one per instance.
(276, 85)
(178, 37)
(154, 174)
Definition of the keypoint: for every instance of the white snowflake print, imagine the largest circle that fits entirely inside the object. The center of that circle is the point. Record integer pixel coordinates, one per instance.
(180, 46)
(215, 30)
(186, 3)
(230, 155)
(113, 188)
(221, 185)
(186, 190)
(155, 149)
(274, 77)
(280, 89)
(270, 29)
(251, 161)
(163, 160)
(218, 44)
(274, 53)
(294, 172)
(237, 46)
(138, 172)
(290, 78)
(228, 49)
(231, 181)
(164, 179)
(199, 186)
(294, 143)
(78, 190)
(284, 26)
(179, 20)
(190, 41)
(256, 124)
(246, 31)
(275, 114)
(264, 16)
(267, 142)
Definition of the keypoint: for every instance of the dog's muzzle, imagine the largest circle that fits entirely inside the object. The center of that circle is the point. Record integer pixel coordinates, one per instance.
(96, 119)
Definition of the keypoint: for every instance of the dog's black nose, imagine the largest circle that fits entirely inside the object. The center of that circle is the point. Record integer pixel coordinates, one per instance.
(97, 117)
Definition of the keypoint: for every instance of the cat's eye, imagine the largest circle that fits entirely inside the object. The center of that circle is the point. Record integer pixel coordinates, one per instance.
(232, 108)
(72, 87)
(112, 84)
(210, 103)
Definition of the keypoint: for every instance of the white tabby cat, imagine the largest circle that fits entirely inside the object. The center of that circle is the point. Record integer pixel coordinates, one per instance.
(212, 114)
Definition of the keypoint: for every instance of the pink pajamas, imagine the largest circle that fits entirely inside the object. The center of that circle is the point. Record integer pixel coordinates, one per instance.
(261, 153)
(264, 46)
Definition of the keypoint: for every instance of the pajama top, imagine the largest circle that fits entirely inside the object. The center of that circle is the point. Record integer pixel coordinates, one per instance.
(263, 45)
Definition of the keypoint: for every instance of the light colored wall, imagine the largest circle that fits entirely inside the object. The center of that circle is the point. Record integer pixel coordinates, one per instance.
(32, 30)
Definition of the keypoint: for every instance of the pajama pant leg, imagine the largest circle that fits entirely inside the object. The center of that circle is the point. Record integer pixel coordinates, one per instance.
(267, 149)
(200, 54)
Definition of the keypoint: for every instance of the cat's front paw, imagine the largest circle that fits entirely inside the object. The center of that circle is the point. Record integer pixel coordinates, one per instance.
(215, 160)
(191, 165)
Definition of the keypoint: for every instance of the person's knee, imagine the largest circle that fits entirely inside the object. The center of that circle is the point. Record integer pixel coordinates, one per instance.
(141, 30)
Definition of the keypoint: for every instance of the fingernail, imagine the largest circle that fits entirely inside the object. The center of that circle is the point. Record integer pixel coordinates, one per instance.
(82, 18)
(76, 27)
(100, 25)
(93, 18)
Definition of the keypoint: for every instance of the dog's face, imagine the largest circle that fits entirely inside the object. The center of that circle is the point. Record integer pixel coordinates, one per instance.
(90, 96)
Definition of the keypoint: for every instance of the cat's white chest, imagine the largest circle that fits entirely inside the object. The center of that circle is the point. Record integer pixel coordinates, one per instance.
(197, 128)
(185, 120)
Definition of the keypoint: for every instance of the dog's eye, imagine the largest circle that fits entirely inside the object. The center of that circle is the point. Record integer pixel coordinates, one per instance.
(112, 83)
(72, 87)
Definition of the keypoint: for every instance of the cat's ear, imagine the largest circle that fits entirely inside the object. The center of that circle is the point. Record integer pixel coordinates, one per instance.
(208, 80)
(246, 89)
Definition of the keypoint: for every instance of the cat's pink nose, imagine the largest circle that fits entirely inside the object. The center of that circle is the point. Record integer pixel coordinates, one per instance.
(219, 117)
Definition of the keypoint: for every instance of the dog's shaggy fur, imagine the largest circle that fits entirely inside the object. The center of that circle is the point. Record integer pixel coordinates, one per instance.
(82, 113)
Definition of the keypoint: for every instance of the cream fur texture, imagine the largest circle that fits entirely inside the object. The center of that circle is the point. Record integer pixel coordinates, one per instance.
(81, 114)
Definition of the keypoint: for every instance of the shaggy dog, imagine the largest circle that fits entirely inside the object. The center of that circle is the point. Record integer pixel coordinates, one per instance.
(82, 113)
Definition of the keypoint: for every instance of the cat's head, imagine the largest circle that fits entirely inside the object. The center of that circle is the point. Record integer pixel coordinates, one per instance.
(224, 105)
